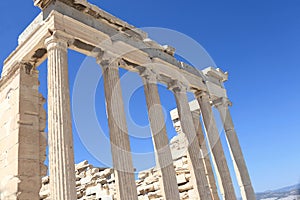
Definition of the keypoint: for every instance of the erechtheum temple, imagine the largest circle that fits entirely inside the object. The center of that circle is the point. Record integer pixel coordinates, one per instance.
(199, 173)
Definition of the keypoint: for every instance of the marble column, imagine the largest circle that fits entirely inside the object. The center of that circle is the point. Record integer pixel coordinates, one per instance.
(239, 163)
(197, 168)
(61, 153)
(164, 159)
(216, 145)
(205, 152)
(119, 138)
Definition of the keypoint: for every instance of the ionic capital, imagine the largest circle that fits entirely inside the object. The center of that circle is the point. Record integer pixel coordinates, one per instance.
(178, 86)
(106, 60)
(201, 94)
(223, 101)
(58, 40)
(149, 75)
(204, 96)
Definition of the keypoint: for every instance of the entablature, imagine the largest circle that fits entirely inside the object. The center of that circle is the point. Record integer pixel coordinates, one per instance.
(92, 33)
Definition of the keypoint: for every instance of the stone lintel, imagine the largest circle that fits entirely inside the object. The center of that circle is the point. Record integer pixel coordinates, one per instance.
(35, 24)
(117, 35)
(33, 49)
(37, 53)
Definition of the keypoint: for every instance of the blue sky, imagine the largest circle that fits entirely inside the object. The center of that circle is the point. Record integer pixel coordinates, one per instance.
(257, 42)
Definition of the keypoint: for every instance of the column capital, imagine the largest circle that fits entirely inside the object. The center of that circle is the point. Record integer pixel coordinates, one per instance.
(148, 74)
(177, 86)
(201, 93)
(58, 39)
(107, 60)
(222, 101)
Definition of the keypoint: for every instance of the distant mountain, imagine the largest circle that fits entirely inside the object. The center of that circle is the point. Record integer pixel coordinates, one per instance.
(286, 193)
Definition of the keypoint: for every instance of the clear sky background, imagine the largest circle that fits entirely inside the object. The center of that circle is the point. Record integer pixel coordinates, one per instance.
(257, 42)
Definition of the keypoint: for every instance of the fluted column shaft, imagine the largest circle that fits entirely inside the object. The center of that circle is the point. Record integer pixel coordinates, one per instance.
(119, 138)
(197, 168)
(216, 145)
(206, 159)
(61, 153)
(159, 136)
(239, 163)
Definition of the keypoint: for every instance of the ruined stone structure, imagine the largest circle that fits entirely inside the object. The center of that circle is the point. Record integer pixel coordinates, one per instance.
(80, 26)
(95, 183)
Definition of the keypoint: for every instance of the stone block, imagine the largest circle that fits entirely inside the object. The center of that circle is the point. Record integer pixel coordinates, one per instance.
(181, 179)
(28, 105)
(107, 197)
(10, 169)
(29, 151)
(186, 187)
(93, 190)
(150, 179)
(27, 135)
(4, 144)
(30, 184)
(9, 184)
(27, 167)
(13, 153)
(192, 194)
(29, 196)
(85, 180)
(44, 194)
(45, 180)
(143, 175)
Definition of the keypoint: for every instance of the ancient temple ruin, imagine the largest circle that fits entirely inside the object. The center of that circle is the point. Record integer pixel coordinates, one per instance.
(85, 28)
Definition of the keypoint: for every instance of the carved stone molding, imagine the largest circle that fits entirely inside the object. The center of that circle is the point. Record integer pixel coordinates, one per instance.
(58, 39)
(176, 85)
(222, 102)
(105, 60)
(149, 75)
(200, 94)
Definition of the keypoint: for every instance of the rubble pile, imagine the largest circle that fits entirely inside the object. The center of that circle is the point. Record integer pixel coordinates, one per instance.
(94, 183)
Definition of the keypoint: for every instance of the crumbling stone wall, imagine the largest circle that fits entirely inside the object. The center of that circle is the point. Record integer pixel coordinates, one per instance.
(22, 137)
